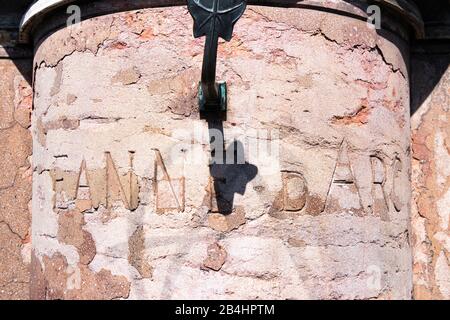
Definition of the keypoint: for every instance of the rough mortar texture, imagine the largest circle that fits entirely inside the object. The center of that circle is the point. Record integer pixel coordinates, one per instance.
(126, 206)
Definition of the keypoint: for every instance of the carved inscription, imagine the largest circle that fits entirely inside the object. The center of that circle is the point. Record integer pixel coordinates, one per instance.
(343, 193)
(112, 186)
(396, 197)
(380, 205)
(292, 197)
(83, 200)
(211, 192)
(169, 193)
(89, 189)
(116, 190)
(294, 192)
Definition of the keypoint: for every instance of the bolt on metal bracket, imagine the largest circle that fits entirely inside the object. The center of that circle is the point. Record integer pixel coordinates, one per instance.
(213, 19)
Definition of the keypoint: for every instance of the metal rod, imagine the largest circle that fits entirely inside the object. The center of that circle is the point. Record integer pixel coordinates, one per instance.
(209, 86)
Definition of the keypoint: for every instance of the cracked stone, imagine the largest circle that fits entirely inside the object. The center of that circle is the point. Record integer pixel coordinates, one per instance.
(217, 255)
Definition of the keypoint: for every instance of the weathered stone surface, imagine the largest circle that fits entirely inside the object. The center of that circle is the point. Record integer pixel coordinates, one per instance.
(15, 144)
(80, 283)
(431, 176)
(318, 207)
(136, 256)
(216, 257)
(226, 223)
(70, 232)
(15, 178)
(14, 280)
(23, 102)
(14, 203)
(126, 77)
(8, 73)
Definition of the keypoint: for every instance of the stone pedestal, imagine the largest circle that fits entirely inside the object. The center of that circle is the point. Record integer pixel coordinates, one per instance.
(313, 202)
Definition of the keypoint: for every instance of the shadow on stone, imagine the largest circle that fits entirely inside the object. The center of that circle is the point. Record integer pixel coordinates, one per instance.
(229, 171)
(429, 62)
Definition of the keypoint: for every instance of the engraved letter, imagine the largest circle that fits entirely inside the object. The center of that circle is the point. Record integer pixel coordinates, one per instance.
(343, 194)
(380, 205)
(115, 190)
(169, 193)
